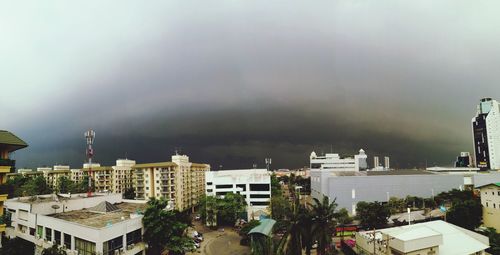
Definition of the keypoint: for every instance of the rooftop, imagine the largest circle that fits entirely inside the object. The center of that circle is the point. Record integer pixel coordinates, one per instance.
(265, 227)
(11, 142)
(101, 220)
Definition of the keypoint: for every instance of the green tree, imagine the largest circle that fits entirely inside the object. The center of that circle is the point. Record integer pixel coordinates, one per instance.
(306, 229)
(230, 208)
(129, 193)
(324, 222)
(14, 185)
(372, 215)
(16, 246)
(54, 250)
(275, 186)
(494, 241)
(64, 185)
(36, 186)
(291, 242)
(163, 229)
(466, 214)
(396, 205)
(280, 207)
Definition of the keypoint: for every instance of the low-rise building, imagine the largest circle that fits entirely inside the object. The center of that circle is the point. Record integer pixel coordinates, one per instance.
(490, 200)
(253, 184)
(101, 224)
(180, 181)
(434, 237)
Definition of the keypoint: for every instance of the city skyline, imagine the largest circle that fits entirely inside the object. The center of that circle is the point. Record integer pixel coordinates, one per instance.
(235, 83)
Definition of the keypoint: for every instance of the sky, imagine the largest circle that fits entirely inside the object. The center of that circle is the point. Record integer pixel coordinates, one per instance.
(232, 82)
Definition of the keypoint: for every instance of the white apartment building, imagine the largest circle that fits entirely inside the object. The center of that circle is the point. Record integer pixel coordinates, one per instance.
(102, 224)
(253, 184)
(490, 200)
(333, 162)
(433, 237)
(122, 176)
(179, 181)
(486, 134)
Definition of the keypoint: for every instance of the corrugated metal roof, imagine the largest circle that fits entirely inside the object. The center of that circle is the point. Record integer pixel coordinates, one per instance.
(265, 227)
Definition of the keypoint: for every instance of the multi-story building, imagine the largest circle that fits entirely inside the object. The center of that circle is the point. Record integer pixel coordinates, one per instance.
(8, 144)
(486, 134)
(333, 162)
(253, 184)
(434, 237)
(490, 200)
(52, 175)
(102, 224)
(179, 181)
(387, 163)
(101, 177)
(122, 175)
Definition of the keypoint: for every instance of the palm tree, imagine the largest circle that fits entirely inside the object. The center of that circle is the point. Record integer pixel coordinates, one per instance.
(291, 242)
(323, 223)
(306, 230)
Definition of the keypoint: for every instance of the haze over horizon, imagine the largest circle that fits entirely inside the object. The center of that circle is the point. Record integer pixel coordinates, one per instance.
(235, 82)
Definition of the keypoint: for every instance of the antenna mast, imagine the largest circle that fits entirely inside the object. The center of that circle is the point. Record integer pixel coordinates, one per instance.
(90, 135)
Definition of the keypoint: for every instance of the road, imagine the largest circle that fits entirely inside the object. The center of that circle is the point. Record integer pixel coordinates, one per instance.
(220, 243)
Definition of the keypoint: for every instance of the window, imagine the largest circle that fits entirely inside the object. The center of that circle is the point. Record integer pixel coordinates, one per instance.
(259, 187)
(67, 241)
(112, 245)
(209, 190)
(259, 196)
(84, 247)
(134, 237)
(486, 204)
(32, 231)
(242, 186)
(48, 234)
(209, 183)
(39, 231)
(224, 186)
(57, 236)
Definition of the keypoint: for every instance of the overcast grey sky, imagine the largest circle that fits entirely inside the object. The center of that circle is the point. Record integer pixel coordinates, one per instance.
(232, 82)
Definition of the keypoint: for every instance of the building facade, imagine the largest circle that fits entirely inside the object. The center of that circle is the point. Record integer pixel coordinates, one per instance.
(102, 224)
(486, 134)
(122, 175)
(179, 181)
(253, 184)
(464, 160)
(490, 200)
(350, 188)
(8, 144)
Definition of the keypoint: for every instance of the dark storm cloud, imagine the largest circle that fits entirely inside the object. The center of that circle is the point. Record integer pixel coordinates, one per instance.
(237, 82)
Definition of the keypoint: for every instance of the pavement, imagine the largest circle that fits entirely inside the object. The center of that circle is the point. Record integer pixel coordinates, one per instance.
(219, 243)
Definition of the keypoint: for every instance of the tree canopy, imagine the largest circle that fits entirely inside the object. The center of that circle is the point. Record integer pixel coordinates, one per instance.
(372, 215)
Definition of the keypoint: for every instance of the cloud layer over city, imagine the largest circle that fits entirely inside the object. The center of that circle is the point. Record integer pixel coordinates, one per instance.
(230, 83)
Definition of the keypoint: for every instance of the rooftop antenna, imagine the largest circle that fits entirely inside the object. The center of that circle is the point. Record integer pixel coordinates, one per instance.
(268, 163)
(90, 135)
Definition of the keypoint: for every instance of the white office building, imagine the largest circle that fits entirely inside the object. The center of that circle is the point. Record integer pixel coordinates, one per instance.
(486, 134)
(333, 162)
(253, 184)
(103, 224)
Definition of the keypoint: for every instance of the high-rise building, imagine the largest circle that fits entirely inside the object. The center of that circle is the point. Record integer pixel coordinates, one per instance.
(122, 176)
(179, 181)
(8, 144)
(387, 164)
(486, 134)
(376, 162)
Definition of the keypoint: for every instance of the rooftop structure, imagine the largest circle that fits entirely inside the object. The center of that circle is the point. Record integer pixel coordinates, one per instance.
(333, 162)
(101, 224)
(434, 237)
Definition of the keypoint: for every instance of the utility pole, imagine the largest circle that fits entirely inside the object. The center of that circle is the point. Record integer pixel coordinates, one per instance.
(90, 135)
